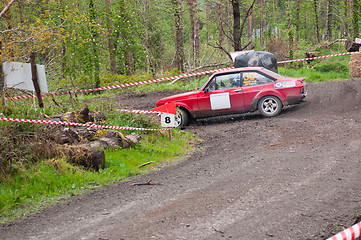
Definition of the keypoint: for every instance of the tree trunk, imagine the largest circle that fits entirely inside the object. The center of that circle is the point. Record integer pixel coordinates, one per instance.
(20, 6)
(317, 25)
(7, 15)
(111, 47)
(356, 18)
(207, 17)
(290, 30)
(329, 20)
(129, 62)
(298, 10)
(179, 47)
(197, 40)
(236, 25)
(63, 48)
(249, 28)
(95, 36)
(220, 22)
(193, 12)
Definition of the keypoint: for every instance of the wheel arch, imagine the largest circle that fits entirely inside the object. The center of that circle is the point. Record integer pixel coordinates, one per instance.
(185, 108)
(259, 96)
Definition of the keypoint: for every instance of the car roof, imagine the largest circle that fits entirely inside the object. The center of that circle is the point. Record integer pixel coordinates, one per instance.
(240, 69)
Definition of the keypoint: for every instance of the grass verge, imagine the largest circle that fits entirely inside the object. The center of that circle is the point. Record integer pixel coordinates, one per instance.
(53, 180)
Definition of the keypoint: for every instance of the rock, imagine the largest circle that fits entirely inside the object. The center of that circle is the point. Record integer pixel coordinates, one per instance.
(135, 138)
(114, 139)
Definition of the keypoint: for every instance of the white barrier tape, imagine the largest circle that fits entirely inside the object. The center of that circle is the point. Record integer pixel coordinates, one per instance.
(306, 59)
(80, 124)
(122, 85)
(139, 111)
(348, 234)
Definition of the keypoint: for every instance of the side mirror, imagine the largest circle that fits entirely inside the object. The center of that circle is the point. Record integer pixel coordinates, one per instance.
(206, 90)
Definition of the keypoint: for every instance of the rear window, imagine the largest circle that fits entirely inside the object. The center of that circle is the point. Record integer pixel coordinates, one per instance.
(252, 78)
(272, 73)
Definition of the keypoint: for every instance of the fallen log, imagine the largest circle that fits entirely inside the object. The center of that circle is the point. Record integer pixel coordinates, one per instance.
(86, 157)
(76, 155)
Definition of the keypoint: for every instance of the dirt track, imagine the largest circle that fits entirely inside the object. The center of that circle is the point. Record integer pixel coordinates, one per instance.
(295, 176)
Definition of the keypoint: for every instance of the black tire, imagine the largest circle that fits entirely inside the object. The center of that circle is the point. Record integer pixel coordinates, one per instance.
(181, 118)
(270, 106)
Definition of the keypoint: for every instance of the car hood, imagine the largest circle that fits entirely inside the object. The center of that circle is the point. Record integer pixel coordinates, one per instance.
(176, 97)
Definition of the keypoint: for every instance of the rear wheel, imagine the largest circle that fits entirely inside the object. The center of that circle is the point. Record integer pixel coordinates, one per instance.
(270, 106)
(181, 118)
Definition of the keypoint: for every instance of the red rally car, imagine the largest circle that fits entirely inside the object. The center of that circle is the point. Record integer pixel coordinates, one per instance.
(238, 90)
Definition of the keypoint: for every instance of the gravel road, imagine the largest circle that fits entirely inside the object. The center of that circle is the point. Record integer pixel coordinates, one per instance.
(295, 176)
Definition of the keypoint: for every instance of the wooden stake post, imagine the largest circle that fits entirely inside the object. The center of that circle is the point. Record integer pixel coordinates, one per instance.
(2, 95)
(35, 80)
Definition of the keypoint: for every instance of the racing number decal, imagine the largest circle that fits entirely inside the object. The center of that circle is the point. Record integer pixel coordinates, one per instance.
(248, 76)
(167, 120)
(249, 79)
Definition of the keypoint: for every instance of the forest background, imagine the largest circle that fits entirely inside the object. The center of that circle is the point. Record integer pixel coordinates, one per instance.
(87, 43)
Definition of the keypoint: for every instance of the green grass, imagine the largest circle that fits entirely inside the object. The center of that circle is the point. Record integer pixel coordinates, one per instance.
(50, 181)
(320, 70)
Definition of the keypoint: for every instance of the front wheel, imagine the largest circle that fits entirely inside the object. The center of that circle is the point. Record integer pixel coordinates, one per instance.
(270, 106)
(181, 118)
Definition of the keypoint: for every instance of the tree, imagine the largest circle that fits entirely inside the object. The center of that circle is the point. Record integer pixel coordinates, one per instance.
(237, 27)
(317, 24)
(95, 36)
(220, 22)
(179, 47)
(111, 46)
(328, 34)
(356, 18)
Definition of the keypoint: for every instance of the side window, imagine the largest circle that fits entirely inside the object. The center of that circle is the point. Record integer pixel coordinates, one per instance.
(255, 78)
(225, 81)
(211, 86)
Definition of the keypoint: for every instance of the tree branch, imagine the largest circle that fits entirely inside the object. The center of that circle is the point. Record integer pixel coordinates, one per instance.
(246, 16)
(221, 48)
(6, 8)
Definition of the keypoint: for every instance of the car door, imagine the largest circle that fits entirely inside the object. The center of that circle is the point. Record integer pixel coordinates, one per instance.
(222, 94)
(253, 82)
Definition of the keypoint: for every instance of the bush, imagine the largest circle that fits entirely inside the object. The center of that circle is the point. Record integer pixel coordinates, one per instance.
(14, 150)
(331, 67)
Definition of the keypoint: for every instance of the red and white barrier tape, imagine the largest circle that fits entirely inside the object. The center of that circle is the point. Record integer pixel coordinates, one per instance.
(121, 85)
(139, 111)
(80, 124)
(160, 79)
(306, 59)
(348, 234)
